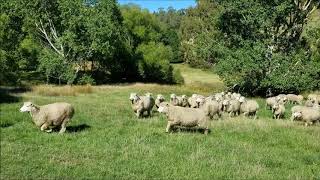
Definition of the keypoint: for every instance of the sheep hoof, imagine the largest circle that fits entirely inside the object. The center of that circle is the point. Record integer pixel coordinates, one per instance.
(48, 131)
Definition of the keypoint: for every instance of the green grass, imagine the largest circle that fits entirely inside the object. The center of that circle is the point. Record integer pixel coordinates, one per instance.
(106, 140)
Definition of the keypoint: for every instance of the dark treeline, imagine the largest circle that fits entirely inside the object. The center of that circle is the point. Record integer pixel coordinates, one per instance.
(253, 45)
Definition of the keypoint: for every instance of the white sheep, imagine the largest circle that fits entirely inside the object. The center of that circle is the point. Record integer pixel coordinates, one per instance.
(185, 117)
(278, 110)
(308, 115)
(249, 107)
(141, 104)
(49, 116)
(160, 98)
(294, 99)
(232, 107)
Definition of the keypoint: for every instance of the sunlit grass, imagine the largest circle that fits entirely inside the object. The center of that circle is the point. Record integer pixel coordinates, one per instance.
(51, 90)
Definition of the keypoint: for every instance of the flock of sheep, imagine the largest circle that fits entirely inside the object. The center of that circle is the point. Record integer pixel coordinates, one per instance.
(195, 111)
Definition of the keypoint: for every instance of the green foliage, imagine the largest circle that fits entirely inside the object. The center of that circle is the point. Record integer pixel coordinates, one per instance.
(177, 77)
(86, 79)
(154, 64)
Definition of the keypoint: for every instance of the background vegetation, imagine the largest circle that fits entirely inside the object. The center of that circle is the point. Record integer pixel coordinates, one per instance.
(252, 45)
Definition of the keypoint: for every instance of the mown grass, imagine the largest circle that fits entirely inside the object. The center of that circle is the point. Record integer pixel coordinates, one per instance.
(106, 140)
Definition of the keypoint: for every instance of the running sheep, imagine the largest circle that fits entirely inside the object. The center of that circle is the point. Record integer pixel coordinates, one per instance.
(49, 116)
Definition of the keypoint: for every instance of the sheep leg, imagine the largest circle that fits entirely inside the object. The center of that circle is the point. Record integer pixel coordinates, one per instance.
(138, 113)
(168, 127)
(255, 116)
(63, 126)
(149, 113)
(206, 131)
(44, 127)
(230, 114)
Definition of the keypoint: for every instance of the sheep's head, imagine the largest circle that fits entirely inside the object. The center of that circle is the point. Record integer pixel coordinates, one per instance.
(27, 107)
(200, 101)
(242, 99)
(164, 107)
(297, 115)
(160, 97)
(194, 95)
(173, 96)
(133, 98)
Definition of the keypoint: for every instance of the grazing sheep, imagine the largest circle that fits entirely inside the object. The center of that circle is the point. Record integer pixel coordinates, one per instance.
(160, 98)
(308, 115)
(186, 117)
(294, 99)
(278, 110)
(141, 104)
(49, 116)
(232, 107)
(249, 107)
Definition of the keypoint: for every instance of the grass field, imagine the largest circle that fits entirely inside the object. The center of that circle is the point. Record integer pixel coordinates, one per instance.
(106, 140)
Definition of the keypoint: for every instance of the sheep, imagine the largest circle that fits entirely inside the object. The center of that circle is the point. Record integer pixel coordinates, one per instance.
(184, 102)
(232, 107)
(294, 99)
(278, 110)
(212, 107)
(309, 103)
(249, 107)
(235, 96)
(192, 101)
(186, 117)
(314, 97)
(271, 101)
(308, 115)
(295, 109)
(160, 98)
(49, 116)
(141, 104)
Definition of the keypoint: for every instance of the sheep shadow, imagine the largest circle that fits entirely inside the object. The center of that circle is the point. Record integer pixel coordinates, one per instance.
(6, 124)
(77, 128)
(180, 129)
(73, 129)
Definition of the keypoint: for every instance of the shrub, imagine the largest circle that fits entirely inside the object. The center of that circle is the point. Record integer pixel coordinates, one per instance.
(154, 62)
(86, 79)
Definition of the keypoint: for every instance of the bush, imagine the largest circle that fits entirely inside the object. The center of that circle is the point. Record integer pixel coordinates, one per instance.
(249, 71)
(86, 80)
(154, 62)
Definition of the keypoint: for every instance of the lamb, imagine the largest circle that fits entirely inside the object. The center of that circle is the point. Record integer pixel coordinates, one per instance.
(278, 110)
(294, 99)
(308, 115)
(160, 98)
(232, 107)
(49, 116)
(186, 117)
(249, 107)
(141, 104)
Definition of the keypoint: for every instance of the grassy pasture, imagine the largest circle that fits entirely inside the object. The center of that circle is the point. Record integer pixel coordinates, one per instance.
(106, 140)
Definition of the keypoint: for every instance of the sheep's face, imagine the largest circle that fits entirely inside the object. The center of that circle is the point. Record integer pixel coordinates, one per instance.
(184, 97)
(173, 96)
(275, 107)
(27, 107)
(160, 97)
(149, 94)
(297, 115)
(164, 107)
(133, 98)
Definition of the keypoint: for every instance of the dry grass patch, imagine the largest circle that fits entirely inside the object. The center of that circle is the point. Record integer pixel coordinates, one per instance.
(50, 90)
